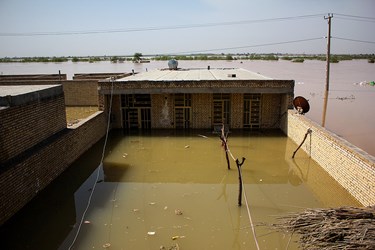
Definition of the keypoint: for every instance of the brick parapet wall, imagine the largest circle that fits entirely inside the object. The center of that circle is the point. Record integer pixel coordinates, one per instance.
(25, 125)
(77, 92)
(32, 77)
(20, 182)
(353, 168)
(81, 92)
(203, 86)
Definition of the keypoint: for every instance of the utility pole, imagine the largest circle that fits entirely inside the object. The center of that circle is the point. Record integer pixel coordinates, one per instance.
(328, 58)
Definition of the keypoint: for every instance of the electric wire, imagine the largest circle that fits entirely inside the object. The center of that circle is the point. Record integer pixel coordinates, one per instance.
(97, 171)
(244, 47)
(352, 40)
(355, 18)
(159, 28)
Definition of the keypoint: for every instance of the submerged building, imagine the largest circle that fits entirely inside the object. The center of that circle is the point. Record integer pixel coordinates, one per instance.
(197, 98)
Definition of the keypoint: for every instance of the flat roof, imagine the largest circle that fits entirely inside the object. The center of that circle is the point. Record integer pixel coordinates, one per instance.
(13, 95)
(195, 75)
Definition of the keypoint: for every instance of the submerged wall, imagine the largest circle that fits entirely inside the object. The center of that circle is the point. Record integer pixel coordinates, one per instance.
(353, 168)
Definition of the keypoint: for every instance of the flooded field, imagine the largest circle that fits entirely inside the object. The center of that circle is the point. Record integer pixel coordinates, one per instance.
(169, 189)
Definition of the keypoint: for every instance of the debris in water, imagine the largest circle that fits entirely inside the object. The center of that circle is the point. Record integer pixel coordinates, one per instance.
(178, 212)
(87, 222)
(152, 203)
(135, 210)
(151, 233)
(203, 136)
(351, 97)
(187, 146)
(260, 180)
(174, 247)
(332, 228)
(165, 208)
(106, 245)
(178, 237)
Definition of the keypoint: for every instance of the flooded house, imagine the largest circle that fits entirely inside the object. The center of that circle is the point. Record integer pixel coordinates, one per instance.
(197, 98)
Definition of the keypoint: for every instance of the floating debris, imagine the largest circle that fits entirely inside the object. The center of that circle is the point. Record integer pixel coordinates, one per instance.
(174, 247)
(178, 212)
(187, 146)
(203, 136)
(152, 203)
(351, 97)
(136, 210)
(178, 237)
(87, 222)
(365, 83)
(151, 233)
(339, 228)
(106, 245)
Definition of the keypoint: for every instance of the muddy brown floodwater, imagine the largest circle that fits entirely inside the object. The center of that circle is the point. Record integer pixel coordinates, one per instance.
(160, 189)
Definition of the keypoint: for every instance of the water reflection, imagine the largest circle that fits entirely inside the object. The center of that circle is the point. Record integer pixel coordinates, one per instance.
(147, 177)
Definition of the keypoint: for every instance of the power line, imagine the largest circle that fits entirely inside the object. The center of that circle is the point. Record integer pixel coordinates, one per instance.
(243, 47)
(355, 17)
(156, 28)
(353, 40)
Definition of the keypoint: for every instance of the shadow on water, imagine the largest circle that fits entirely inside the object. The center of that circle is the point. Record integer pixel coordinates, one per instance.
(47, 220)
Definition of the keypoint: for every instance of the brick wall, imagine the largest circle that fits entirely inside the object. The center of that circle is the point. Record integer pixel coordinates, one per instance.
(21, 180)
(81, 92)
(271, 107)
(32, 77)
(162, 112)
(237, 111)
(353, 168)
(77, 92)
(201, 110)
(26, 125)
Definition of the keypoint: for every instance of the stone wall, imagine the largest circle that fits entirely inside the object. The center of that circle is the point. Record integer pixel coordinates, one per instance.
(31, 171)
(353, 168)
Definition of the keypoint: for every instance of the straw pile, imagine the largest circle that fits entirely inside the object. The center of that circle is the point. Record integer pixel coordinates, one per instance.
(339, 228)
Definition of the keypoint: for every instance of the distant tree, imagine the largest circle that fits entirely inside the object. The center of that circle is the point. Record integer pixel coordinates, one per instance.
(229, 57)
(114, 59)
(137, 57)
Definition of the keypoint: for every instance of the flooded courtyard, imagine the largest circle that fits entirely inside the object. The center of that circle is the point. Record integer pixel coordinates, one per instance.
(173, 190)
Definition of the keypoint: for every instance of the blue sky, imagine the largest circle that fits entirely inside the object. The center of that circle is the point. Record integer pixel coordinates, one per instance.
(305, 21)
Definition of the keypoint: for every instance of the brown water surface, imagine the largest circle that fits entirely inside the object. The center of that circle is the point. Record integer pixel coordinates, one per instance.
(148, 178)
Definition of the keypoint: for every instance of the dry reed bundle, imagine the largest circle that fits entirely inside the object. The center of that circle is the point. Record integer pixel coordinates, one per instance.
(338, 228)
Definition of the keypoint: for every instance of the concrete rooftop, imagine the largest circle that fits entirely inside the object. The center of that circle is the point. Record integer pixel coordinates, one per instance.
(195, 75)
